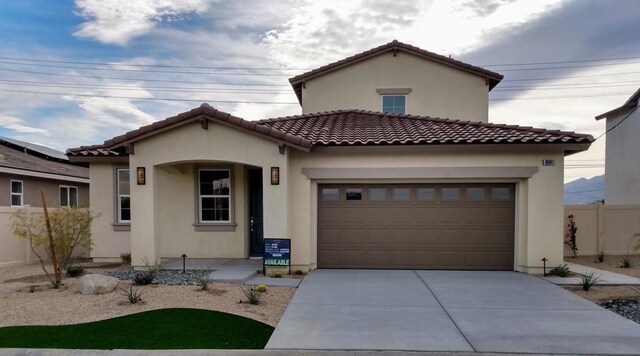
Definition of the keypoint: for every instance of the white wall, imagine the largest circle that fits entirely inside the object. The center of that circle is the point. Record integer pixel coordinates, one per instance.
(622, 169)
(436, 90)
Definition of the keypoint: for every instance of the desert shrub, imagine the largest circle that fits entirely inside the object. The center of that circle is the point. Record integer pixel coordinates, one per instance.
(203, 282)
(570, 237)
(252, 294)
(132, 295)
(601, 256)
(560, 271)
(299, 272)
(70, 230)
(126, 257)
(143, 278)
(261, 288)
(626, 262)
(276, 275)
(587, 280)
(75, 271)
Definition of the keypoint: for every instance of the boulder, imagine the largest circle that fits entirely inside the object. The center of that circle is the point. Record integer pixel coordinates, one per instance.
(97, 284)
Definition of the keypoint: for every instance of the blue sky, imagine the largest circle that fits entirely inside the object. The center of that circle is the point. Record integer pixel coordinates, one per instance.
(126, 43)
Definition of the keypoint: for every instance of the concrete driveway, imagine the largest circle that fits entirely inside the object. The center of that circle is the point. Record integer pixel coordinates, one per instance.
(447, 311)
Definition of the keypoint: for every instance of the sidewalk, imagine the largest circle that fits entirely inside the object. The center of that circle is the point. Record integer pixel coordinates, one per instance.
(606, 277)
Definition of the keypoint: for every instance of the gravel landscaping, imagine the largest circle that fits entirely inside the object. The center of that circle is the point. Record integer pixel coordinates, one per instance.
(629, 308)
(165, 277)
(46, 306)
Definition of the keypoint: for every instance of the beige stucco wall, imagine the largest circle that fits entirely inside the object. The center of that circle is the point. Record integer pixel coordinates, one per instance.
(605, 228)
(539, 208)
(163, 210)
(622, 169)
(108, 244)
(436, 90)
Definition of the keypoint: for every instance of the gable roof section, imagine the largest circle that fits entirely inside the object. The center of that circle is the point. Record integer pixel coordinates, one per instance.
(17, 159)
(631, 103)
(115, 146)
(363, 128)
(493, 78)
(350, 128)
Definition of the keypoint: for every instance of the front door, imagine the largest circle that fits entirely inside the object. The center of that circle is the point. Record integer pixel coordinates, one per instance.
(256, 232)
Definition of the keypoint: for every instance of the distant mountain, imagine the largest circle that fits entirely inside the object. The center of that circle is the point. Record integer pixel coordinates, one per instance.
(584, 191)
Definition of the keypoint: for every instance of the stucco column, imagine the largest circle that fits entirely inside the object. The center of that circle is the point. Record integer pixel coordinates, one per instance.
(144, 245)
(275, 202)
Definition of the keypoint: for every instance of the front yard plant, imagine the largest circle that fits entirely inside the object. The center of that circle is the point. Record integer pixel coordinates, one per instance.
(252, 294)
(588, 279)
(70, 229)
(75, 271)
(560, 271)
(132, 295)
(570, 238)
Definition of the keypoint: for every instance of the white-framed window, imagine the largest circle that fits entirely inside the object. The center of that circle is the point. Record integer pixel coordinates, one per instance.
(123, 195)
(17, 193)
(68, 195)
(394, 103)
(214, 195)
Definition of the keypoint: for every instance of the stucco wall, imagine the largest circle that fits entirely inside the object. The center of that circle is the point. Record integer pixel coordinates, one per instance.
(539, 208)
(108, 244)
(436, 89)
(622, 169)
(159, 216)
(31, 190)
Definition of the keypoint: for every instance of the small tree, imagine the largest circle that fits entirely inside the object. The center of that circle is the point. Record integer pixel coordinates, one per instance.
(70, 230)
(570, 237)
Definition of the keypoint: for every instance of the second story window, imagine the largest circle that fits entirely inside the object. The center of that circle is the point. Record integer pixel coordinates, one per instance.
(16, 193)
(68, 196)
(394, 103)
(123, 196)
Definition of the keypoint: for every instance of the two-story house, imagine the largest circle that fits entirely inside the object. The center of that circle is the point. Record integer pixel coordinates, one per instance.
(622, 163)
(391, 165)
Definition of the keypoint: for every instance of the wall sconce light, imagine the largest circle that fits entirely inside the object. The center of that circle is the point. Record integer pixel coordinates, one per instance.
(275, 175)
(141, 176)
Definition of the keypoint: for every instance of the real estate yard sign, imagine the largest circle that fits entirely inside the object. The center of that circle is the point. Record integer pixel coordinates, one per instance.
(277, 252)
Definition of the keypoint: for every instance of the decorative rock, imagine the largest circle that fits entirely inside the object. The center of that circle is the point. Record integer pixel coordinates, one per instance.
(166, 277)
(629, 308)
(97, 284)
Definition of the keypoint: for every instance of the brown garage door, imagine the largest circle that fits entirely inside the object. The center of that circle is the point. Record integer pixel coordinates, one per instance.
(424, 226)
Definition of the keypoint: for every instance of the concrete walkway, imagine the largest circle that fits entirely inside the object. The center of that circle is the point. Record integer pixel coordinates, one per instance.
(455, 311)
(605, 277)
(229, 270)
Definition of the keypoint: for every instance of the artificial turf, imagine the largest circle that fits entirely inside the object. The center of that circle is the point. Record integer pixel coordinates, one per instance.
(151, 330)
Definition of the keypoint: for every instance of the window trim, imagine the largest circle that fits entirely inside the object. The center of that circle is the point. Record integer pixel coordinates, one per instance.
(69, 187)
(11, 193)
(406, 103)
(228, 225)
(118, 212)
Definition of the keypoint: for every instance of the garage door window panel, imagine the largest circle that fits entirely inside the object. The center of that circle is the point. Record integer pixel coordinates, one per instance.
(500, 194)
(425, 194)
(401, 194)
(330, 194)
(475, 194)
(377, 194)
(353, 194)
(450, 194)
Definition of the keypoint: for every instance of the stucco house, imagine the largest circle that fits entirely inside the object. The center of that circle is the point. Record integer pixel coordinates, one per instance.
(622, 163)
(392, 164)
(25, 170)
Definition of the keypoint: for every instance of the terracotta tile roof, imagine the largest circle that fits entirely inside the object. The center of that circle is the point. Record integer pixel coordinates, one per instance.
(113, 147)
(352, 128)
(296, 82)
(11, 157)
(359, 127)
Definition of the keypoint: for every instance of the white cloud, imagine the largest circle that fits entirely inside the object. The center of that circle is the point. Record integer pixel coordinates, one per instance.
(18, 125)
(118, 21)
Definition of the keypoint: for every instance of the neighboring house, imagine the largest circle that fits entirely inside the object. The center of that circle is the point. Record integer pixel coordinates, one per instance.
(353, 187)
(622, 162)
(25, 170)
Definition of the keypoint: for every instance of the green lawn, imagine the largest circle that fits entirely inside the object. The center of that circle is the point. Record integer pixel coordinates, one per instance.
(156, 329)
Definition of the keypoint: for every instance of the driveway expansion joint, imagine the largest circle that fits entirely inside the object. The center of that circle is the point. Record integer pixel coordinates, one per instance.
(445, 311)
